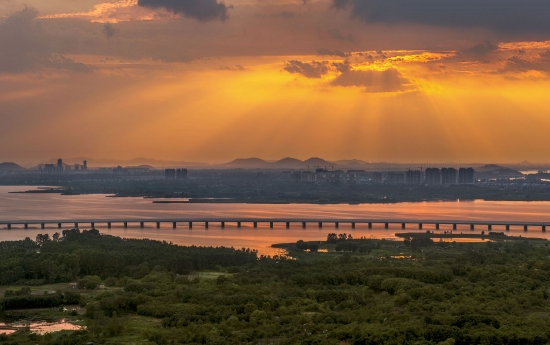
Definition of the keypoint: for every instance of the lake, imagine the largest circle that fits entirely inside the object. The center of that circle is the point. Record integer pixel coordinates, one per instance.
(19, 206)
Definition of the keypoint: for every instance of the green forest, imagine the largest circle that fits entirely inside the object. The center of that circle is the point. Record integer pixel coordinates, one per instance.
(339, 291)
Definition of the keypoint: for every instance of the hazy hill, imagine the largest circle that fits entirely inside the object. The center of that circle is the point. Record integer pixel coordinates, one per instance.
(493, 170)
(248, 163)
(318, 162)
(350, 162)
(288, 162)
(10, 166)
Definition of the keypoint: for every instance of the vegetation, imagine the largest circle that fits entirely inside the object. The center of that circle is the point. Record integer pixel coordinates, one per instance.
(148, 292)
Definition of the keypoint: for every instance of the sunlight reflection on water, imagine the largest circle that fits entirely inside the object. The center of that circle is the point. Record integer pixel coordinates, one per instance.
(55, 206)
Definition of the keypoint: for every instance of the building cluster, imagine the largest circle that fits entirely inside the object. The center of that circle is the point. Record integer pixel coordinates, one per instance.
(119, 170)
(430, 176)
(60, 168)
(175, 174)
(331, 176)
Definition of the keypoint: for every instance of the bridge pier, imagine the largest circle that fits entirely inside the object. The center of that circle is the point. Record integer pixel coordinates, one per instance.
(437, 226)
(125, 224)
(59, 225)
(472, 227)
(174, 225)
(93, 225)
(9, 226)
(386, 226)
(403, 225)
(206, 225)
(223, 225)
(353, 225)
(288, 225)
(271, 225)
(336, 225)
(370, 225)
(141, 224)
(507, 227)
(76, 225)
(320, 225)
(108, 225)
(255, 225)
(490, 227)
(238, 224)
(190, 225)
(26, 226)
(454, 226)
(420, 226)
(525, 228)
(158, 225)
(544, 228)
(43, 226)
(303, 225)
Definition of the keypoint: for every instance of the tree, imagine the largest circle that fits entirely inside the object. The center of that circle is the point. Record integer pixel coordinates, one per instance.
(41, 239)
(332, 238)
(313, 247)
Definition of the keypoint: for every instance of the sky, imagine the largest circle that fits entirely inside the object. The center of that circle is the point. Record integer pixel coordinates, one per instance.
(210, 81)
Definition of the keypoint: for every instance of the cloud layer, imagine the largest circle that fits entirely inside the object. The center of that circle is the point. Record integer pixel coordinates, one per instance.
(203, 10)
(26, 47)
(499, 15)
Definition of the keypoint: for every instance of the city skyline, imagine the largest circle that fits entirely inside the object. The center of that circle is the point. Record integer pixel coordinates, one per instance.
(209, 81)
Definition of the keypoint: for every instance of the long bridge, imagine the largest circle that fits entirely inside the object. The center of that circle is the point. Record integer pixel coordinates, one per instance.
(272, 221)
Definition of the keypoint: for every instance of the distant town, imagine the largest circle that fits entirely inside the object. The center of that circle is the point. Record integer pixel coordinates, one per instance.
(286, 181)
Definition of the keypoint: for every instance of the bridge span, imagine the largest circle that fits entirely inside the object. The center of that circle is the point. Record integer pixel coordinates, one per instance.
(272, 221)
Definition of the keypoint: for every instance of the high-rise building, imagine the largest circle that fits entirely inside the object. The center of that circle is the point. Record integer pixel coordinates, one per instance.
(181, 174)
(60, 166)
(396, 177)
(433, 176)
(448, 175)
(321, 174)
(49, 169)
(413, 177)
(170, 174)
(308, 176)
(466, 175)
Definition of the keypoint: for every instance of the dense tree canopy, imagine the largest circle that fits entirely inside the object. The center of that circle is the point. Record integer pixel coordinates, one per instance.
(482, 293)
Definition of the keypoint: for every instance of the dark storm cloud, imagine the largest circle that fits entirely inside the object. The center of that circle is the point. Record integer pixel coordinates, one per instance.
(26, 47)
(389, 80)
(481, 49)
(328, 52)
(314, 69)
(202, 10)
(500, 15)
(109, 30)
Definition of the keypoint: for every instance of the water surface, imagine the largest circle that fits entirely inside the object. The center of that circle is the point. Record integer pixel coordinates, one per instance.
(55, 206)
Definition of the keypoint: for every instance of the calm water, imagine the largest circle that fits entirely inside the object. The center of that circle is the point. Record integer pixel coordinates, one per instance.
(55, 206)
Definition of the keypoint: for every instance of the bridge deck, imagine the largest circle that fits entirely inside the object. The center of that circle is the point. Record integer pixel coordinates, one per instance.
(275, 220)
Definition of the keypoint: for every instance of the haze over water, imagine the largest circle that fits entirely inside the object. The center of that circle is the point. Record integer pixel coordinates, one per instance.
(17, 206)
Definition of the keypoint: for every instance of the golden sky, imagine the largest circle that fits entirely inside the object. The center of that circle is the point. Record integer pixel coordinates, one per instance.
(202, 80)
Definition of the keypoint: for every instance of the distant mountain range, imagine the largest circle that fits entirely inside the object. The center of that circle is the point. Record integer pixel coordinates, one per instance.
(286, 163)
(10, 166)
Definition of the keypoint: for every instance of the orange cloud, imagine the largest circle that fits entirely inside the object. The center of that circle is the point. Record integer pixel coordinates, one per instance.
(113, 12)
